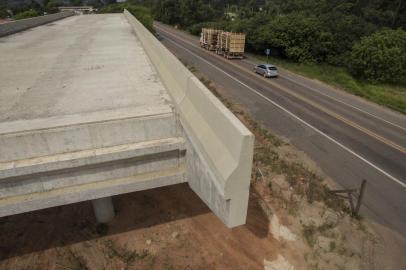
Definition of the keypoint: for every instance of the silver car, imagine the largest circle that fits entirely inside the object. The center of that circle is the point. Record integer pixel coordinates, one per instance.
(266, 70)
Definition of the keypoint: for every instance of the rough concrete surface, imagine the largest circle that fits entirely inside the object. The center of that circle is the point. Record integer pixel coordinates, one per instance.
(80, 65)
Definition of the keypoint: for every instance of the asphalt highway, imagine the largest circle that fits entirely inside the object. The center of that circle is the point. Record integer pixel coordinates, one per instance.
(348, 137)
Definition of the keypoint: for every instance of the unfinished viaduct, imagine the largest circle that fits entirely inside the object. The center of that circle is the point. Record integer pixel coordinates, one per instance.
(95, 106)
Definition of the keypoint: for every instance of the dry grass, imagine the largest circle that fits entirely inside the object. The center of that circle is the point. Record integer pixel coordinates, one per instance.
(267, 160)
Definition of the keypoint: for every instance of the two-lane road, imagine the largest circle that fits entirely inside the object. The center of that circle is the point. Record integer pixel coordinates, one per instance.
(350, 139)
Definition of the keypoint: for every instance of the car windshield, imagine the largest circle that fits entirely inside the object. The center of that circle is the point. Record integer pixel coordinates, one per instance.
(272, 68)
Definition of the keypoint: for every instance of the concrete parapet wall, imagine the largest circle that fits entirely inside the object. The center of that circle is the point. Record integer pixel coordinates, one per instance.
(219, 156)
(20, 25)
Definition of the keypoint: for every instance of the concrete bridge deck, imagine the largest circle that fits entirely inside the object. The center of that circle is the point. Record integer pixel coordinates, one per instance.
(83, 67)
(87, 111)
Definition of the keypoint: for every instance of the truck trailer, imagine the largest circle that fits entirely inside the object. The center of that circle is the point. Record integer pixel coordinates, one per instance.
(231, 45)
(228, 44)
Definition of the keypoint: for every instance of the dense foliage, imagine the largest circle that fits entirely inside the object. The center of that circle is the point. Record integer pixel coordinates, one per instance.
(12, 8)
(315, 31)
(380, 57)
(185, 12)
(4, 13)
(21, 9)
(26, 14)
(353, 34)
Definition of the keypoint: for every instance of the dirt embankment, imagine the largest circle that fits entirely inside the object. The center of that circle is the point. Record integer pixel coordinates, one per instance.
(314, 227)
(293, 223)
(165, 228)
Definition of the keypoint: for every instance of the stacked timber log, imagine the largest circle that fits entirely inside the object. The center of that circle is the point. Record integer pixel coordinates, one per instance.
(228, 44)
(209, 38)
(231, 45)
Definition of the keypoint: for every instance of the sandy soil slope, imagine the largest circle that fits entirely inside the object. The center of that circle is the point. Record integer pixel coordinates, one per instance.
(165, 228)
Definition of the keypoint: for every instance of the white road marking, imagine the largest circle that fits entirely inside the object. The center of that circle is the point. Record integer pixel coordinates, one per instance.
(294, 116)
(337, 100)
(321, 93)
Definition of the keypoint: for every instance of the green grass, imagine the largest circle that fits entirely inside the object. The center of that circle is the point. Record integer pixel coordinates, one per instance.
(391, 96)
(309, 232)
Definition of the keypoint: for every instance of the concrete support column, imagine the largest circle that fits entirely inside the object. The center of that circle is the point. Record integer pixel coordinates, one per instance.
(103, 209)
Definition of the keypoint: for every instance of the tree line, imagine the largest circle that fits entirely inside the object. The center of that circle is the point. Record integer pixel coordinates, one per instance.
(365, 36)
(22, 9)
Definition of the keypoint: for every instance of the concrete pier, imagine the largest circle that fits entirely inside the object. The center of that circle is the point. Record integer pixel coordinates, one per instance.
(103, 209)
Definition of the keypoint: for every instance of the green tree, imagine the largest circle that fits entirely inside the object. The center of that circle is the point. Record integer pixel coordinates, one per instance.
(76, 2)
(185, 12)
(3, 12)
(380, 57)
(26, 14)
(168, 11)
(143, 14)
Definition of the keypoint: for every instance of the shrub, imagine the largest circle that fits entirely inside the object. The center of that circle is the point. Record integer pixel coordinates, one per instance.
(3, 12)
(296, 36)
(380, 57)
(26, 14)
(143, 14)
(113, 8)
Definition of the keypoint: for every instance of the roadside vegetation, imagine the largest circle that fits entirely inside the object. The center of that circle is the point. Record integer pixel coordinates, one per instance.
(13, 9)
(31, 8)
(392, 95)
(18, 10)
(26, 14)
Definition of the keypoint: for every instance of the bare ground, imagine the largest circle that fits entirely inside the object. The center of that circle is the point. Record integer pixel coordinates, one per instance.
(165, 228)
